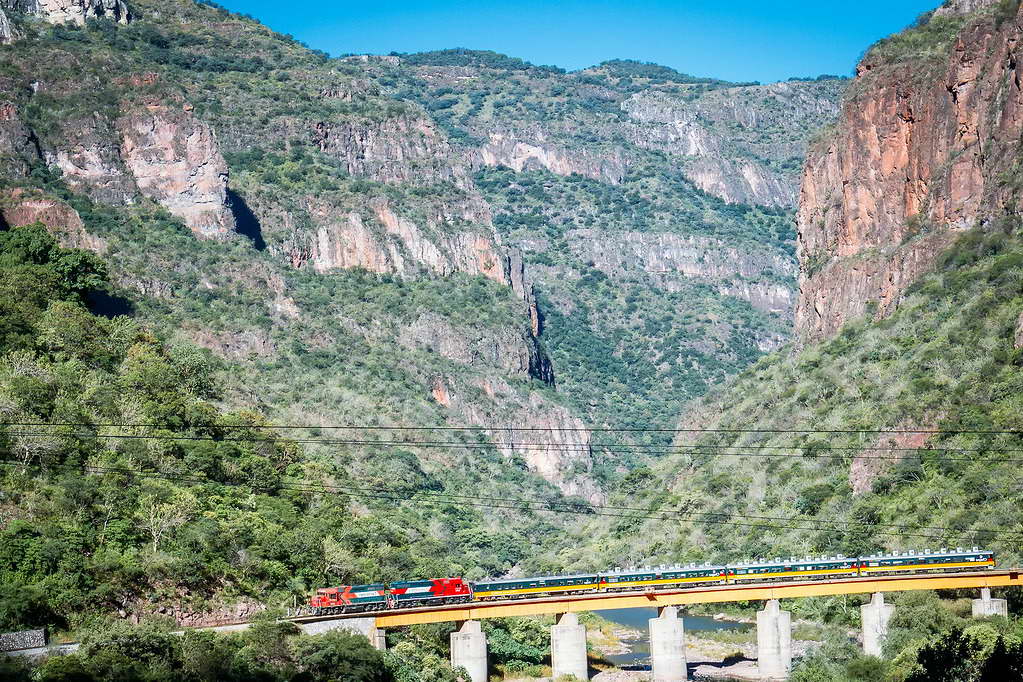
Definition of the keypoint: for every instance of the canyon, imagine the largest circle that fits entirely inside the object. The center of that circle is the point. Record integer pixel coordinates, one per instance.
(457, 240)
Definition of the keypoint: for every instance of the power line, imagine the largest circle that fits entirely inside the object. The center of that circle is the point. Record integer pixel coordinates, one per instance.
(524, 428)
(809, 452)
(450, 499)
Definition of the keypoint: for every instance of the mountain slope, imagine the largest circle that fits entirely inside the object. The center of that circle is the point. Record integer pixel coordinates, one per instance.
(926, 147)
(787, 457)
(391, 165)
(354, 245)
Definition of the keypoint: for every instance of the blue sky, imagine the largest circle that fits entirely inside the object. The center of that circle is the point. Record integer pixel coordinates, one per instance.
(736, 40)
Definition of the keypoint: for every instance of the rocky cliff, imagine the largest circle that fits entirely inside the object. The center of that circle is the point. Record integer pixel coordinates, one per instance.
(406, 148)
(6, 31)
(531, 150)
(758, 277)
(546, 437)
(18, 145)
(174, 158)
(20, 207)
(157, 150)
(405, 240)
(925, 147)
(74, 11)
(381, 240)
(737, 143)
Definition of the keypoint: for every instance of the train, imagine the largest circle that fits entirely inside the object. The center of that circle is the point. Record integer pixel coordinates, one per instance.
(442, 591)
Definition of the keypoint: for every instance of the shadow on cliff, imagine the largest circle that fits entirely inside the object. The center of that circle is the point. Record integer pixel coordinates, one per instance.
(246, 221)
(109, 304)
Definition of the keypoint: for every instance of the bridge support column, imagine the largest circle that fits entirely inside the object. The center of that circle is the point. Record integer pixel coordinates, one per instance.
(568, 648)
(986, 606)
(774, 642)
(875, 617)
(668, 647)
(377, 637)
(469, 650)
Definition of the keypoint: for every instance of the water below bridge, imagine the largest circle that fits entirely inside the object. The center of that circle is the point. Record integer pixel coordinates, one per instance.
(636, 619)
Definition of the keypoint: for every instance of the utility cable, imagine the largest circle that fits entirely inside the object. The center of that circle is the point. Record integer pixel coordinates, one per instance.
(526, 428)
(402, 495)
(808, 452)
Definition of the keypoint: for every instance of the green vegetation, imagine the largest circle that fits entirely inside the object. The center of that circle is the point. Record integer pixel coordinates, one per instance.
(224, 338)
(203, 508)
(651, 198)
(930, 38)
(631, 68)
(312, 347)
(268, 651)
(486, 59)
(632, 347)
(929, 639)
(944, 360)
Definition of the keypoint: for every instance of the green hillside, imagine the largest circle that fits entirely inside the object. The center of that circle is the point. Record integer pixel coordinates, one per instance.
(947, 361)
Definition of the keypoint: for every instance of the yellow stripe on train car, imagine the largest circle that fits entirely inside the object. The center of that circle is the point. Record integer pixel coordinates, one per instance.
(913, 567)
(534, 590)
(786, 574)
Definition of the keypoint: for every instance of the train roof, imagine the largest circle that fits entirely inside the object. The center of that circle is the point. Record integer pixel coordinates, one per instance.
(838, 558)
(841, 558)
(958, 551)
(662, 568)
(538, 577)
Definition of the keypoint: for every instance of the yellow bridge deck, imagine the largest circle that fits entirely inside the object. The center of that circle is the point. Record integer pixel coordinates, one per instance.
(701, 595)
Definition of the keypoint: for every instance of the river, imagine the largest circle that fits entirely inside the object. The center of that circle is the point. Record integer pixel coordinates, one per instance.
(636, 619)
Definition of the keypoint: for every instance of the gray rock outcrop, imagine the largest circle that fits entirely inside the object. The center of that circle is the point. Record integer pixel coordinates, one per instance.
(79, 11)
(6, 31)
(953, 7)
(18, 148)
(383, 240)
(728, 137)
(533, 151)
(756, 276)
(507, 350)
(174, 159)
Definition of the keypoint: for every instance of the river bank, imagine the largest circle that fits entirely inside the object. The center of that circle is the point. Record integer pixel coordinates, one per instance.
(717, 647)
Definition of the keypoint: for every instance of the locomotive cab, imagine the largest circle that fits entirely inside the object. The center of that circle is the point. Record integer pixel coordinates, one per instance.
(326, 596)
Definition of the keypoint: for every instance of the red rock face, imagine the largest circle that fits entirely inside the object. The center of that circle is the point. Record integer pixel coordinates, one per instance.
(916, 159)
(20, 207)
(174, 159)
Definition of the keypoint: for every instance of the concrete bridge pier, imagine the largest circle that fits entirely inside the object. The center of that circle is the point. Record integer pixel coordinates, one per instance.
(568, 648)
(469, 650)
(378, 638)
(774, 642)
(668, 647)
(362, 626)
(875, 617)
(986, 606)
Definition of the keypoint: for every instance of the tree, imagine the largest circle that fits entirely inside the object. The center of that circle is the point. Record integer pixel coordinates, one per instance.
(340, 656)
(163, 507)
(950, 659)
(1005, 664)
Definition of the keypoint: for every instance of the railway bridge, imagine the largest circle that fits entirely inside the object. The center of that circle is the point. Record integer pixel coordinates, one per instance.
(667, 634)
